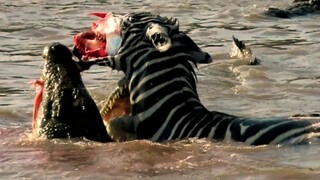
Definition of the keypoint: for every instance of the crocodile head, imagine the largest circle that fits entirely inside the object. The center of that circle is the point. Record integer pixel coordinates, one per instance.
(63, 107)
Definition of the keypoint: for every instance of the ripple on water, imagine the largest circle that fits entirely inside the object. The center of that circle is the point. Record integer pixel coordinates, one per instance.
(286, 83)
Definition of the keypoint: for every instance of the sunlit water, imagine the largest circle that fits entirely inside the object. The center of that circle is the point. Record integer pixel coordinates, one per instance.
(286, 83)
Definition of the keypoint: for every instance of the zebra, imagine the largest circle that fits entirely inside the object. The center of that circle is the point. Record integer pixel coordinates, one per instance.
(159, 64)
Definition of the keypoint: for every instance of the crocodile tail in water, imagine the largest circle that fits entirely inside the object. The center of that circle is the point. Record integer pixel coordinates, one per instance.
(241, 51)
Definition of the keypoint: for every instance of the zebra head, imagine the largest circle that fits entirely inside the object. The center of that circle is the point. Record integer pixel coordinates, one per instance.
(153, 33)
(157, 30)
(115, 33)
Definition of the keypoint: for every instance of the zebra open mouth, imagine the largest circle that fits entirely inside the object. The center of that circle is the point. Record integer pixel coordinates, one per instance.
(159, 37)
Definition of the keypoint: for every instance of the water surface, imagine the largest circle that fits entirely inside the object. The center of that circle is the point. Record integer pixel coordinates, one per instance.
(286, 83)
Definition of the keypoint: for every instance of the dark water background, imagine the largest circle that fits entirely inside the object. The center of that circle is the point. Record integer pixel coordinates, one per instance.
(286, 83)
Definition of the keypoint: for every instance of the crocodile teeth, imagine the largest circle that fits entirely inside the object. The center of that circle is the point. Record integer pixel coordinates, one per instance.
(108, 104)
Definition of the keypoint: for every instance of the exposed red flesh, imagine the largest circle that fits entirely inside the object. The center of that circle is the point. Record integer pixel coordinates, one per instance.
(88, 46)
(100, 14)
(39, 86)
(92, 43)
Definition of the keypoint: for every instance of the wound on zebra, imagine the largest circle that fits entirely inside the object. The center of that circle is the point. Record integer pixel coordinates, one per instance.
(103, 38)
(163, 97)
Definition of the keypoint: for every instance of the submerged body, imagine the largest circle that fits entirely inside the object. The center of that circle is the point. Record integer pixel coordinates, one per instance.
(66, 109)
(297, 8)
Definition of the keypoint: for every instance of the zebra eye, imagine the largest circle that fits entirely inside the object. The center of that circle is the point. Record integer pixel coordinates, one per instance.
(172, 20)
(124, 24)
(159, 37)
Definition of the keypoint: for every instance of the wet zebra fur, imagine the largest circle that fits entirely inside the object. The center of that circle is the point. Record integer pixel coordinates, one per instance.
(163, 93)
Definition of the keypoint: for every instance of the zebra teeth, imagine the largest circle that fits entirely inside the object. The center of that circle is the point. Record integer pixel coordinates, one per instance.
(100, 37)
(159, 37)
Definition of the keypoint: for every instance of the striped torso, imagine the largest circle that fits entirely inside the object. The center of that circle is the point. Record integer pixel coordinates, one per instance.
(164, 98)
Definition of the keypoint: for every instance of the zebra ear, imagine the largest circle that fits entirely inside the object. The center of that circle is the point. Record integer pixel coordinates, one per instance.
(159, 37)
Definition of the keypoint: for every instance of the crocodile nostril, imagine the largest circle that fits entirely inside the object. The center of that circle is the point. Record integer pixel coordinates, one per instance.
(56, 51)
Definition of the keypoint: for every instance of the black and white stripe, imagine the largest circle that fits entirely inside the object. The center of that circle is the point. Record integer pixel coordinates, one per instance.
(164, 97)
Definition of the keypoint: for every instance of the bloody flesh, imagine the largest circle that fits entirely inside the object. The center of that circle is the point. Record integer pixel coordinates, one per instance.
(93, 43)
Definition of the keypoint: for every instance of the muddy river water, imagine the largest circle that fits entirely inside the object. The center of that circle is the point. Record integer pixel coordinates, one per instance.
(286, 83)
